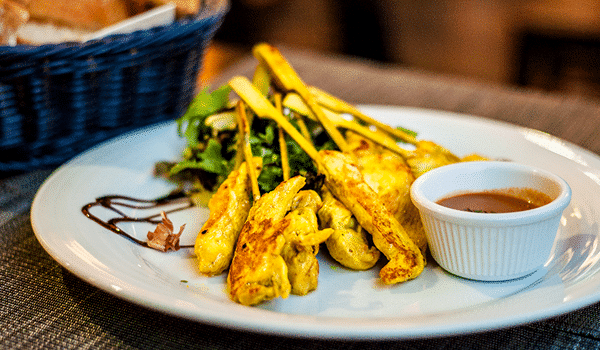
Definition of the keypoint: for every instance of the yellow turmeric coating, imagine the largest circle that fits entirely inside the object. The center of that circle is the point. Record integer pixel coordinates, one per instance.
(348, 244)
(258, 272)
(229, 208)
(302, 242)
(345, 181)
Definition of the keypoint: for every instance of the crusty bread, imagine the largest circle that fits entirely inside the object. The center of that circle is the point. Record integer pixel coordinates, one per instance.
(184, 7)
(55, 21)
(79, 14)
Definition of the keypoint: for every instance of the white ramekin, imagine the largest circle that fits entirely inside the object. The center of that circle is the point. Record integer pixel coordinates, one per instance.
(487, 246)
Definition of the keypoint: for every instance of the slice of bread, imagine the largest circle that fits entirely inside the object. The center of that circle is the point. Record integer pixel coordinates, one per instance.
(38, 33)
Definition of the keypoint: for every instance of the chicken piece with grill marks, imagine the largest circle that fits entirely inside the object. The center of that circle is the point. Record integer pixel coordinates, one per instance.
(345, 181)
(303, 238)
(229, 208)
(388, 174)
(258, 272)
(348, 244)
(428, 155)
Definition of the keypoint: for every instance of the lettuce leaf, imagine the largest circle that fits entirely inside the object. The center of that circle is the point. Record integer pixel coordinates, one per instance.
(192, 125)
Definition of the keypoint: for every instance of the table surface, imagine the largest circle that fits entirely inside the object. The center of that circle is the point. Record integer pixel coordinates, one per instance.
(45, 306)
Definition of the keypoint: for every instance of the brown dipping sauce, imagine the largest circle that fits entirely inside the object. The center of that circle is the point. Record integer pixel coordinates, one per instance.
(496, 201)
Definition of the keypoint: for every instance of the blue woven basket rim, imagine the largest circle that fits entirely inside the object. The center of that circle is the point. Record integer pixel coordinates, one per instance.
(25, 69)
(30, 54)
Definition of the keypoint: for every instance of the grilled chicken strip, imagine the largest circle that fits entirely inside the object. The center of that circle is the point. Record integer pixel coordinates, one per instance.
(302, 242)
(229, 208)
(388, 174)
(258, 272)
(348, 244)
(428, 155)
(344, 180)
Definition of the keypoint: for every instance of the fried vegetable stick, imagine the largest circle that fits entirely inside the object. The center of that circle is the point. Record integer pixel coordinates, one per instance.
(229, 208)
(285, 161)
(426, 156)
(264, 109)
(258, 272)
(335, 104)
(244, 144)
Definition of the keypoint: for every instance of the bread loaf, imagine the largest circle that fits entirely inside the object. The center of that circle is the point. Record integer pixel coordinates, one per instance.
(55, 21)
(87, 15)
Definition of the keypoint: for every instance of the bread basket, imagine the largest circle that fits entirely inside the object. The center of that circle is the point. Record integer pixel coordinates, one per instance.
(59, 100)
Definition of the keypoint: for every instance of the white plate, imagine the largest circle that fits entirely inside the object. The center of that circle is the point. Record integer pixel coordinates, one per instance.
(347, 304)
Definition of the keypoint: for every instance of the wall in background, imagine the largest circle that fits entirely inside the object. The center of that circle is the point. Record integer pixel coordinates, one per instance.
(547, 44)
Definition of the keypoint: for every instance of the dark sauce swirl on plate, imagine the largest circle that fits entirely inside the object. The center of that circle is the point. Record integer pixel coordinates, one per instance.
(177, 199)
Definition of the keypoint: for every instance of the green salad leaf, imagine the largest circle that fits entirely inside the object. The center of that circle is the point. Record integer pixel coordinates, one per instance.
(202, 106)
(210, 152)
(208, 126)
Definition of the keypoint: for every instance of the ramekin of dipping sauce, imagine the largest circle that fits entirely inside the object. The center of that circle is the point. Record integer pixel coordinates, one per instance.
(488, 244)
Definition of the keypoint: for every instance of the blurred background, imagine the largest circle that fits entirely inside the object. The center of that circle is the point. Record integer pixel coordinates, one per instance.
(551, 45)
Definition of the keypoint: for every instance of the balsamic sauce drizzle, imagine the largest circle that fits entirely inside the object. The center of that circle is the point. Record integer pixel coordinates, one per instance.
(114, 201)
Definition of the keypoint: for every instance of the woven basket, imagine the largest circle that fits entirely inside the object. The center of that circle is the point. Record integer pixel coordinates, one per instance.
(58, 100)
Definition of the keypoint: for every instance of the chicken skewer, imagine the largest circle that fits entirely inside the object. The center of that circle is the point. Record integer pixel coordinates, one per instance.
(389, 176)
(348, 244)
(345, 181)
(303, 238)
(426, 155)
(299, 228)
(229, 208)
(287, 79)
(258, 272)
